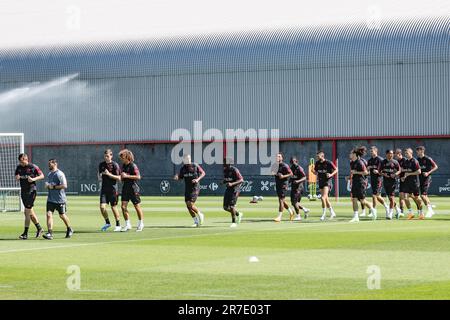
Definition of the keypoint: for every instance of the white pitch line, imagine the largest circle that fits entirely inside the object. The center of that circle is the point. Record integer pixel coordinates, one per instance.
(155, 239)
(228, 232)
(93, 290)
(207, 295)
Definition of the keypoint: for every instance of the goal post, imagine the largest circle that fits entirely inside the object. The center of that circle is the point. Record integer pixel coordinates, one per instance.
(11, 145)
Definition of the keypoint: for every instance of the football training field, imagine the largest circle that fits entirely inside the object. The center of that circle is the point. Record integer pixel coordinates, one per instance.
(397, 259)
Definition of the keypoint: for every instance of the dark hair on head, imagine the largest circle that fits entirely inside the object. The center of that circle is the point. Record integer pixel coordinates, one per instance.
(53, 160)
(294, 159)
(398, 150)
(362, 150)
(320, 151)
(108, 151)
(389, 151)
(22, 155)
(374, 148)
(420, 148)
(280, 153)
(359, 151)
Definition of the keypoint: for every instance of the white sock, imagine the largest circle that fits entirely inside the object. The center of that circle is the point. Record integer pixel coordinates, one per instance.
(195, 219)
(332, 211)
(127, 222)
(140, 222)
(291, 211)
(324, 211)
(430, 207)
(363, 211)
(355, 214)
(391, 212)
(280, 214)
(305, 209)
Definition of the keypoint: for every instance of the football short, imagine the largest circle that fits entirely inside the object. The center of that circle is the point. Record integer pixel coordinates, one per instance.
(358, 191)
(230, 198)
(412, 188)
(425, 183)
(296, 195)
(28, 198)
(111, 198)
(129, 195)
(389, 187)
(60, 207)
(191, 195)
(281, 191)
(325, 183)
(376, 183)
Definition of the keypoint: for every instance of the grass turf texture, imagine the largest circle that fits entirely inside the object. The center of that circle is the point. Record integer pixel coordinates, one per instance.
(170, 260)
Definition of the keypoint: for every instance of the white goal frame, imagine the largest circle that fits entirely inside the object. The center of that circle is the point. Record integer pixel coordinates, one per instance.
(3, 189)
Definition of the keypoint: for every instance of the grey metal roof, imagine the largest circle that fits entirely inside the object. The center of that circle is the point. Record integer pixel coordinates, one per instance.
(405, 41)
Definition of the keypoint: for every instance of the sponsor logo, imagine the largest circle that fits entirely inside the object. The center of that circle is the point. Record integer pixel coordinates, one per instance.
(266, 185)
(164, 186)
(213, 186)
(246, 186)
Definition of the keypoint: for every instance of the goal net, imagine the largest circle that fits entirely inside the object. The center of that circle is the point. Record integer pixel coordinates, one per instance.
(11, 145)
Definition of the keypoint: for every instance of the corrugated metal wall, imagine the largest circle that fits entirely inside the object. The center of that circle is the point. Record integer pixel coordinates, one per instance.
(318, 82)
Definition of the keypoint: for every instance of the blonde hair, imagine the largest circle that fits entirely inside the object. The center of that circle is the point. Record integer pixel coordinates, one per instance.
(127, 154)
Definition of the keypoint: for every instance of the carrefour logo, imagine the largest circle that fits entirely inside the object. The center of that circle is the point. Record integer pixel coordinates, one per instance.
(213, 186)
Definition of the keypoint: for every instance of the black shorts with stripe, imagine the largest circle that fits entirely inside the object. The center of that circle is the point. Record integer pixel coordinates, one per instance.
(389, 187)
(325, 183)
(296, 195)
(191, 195)
(230, 198)
(28, 198)
(359, 191)
(281, 191)
(130, 195)
(109, 197)
(376, 182)
(425, 183)
(412, 188)
(60, 207)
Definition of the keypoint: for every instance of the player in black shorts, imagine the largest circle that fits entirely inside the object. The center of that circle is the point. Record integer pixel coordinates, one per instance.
(427, 166)
(282, 172)
(27, 174)
(130, 189)
(232, 179)
(390, 170)
(358, 171)
(297, 187)
(191, 173)
(325, 170)
(411, 170)
(109, 174)
(376, 180)
(400, 159)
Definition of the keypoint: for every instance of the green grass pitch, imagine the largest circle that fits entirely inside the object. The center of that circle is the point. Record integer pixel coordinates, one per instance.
(170, 260)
